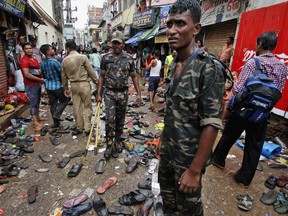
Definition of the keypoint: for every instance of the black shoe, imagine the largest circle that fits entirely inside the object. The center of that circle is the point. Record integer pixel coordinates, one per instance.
(114, 152)
(54, 126)
(76, 132)
(87, 133)
(107, 153)
(57, 118)
(99, 206)
(119, 147)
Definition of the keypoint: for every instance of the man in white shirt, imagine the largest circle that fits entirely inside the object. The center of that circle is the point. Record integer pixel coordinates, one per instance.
(154, 77)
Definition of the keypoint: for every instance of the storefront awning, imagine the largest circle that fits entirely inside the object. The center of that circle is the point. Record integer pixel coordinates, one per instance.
(148, 34)
(133, 40)
(143, 35)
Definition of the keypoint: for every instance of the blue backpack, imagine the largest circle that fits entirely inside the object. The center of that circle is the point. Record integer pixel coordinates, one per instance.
(257, 99)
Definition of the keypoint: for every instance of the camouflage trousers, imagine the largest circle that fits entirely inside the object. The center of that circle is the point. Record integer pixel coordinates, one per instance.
(115, 103)
(170, 171)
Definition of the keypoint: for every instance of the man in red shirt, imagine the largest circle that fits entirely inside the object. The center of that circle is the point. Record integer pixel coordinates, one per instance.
(32, 79)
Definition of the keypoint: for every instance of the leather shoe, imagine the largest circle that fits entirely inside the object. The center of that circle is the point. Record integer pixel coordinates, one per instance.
(118, 146)
(76, 132)
(99, 206)
(114, 152)
(107, 153)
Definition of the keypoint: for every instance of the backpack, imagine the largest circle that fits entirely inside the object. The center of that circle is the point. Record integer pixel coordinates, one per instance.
(220, 66)
(257, 99)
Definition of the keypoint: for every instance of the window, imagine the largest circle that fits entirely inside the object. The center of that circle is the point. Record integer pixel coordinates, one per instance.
(120, 6)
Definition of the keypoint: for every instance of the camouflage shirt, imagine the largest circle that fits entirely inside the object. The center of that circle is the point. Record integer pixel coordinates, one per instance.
(194, 100)
(117, 71)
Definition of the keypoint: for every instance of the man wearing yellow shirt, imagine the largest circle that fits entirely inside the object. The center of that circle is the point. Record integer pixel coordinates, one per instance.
(168, 61)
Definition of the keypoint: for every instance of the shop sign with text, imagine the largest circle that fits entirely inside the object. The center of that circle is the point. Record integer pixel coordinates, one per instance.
(143, 18)
(16, 7)
(219, 11)
(164, 16)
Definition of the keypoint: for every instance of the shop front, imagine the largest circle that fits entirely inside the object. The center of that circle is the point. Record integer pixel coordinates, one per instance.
(219, 21)
(17, 20)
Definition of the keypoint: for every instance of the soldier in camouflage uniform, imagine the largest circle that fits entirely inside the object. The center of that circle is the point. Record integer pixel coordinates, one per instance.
(115, 69)
(193, 113)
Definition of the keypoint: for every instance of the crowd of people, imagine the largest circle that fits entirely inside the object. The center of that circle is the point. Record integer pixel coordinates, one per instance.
(193, 100)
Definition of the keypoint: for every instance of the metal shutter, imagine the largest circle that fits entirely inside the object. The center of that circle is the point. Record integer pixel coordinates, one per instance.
(216, 35)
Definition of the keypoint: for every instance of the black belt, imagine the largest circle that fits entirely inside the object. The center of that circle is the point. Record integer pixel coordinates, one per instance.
(117, 89)
(79, 81)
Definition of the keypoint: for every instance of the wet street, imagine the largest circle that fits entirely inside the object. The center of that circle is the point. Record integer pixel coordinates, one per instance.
(54, 187)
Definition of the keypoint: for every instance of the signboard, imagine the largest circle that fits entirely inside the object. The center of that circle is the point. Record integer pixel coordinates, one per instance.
(117, 20)
(164, 16)
(218, 11)
(157, 3)
(143, 18)
(11, 34)
(16, 7)
(273, 18)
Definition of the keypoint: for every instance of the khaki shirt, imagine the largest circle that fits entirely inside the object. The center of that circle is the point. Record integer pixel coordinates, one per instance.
(77, 68)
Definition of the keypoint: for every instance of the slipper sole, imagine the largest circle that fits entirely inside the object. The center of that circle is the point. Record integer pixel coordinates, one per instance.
(106, 185)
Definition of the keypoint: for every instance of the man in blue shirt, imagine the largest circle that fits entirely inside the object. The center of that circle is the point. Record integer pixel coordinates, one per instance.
(51, 70)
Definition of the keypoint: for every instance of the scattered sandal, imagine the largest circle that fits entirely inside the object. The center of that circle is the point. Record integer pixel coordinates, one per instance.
(271, 182)
(106, 185)
(32, 192)
(75, 170)
(245, 202)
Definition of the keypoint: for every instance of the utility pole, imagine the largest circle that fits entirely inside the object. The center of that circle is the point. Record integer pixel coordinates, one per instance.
(69, 30)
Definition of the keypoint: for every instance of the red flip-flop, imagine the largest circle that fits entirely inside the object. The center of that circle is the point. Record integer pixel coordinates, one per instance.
(106, 185)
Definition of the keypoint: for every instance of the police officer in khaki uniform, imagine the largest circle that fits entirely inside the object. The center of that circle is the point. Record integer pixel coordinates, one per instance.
(115, 69)
(77, 68)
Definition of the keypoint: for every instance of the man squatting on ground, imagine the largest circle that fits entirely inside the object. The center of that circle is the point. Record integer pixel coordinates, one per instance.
(115, 69)
(193, 113)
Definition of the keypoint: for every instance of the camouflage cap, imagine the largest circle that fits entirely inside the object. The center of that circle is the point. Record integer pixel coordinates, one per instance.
(118, 36)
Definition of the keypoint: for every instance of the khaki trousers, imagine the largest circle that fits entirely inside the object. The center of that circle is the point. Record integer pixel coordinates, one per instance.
(82, 104)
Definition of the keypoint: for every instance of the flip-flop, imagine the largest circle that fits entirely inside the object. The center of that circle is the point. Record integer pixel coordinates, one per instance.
(99, 206)
(75, 201)
(153, 165)
(106, 185)
(42, 170)
(133, 164)
(77, 154)
(281, 205)
(3, 188)
(100, 166)
(158, 206)
(46, 158)
(141, 149)
(64, 162)
(271, 182)
(144, 162)
(4, 181)
(32, 191)
(269, 198)
(120, 210)
(75, 170)
(146, 184)
(282, 180)
(78, 210)
(145, 207)
(132, 198)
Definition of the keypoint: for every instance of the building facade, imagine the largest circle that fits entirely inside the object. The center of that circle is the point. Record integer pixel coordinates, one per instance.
(95, 15)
